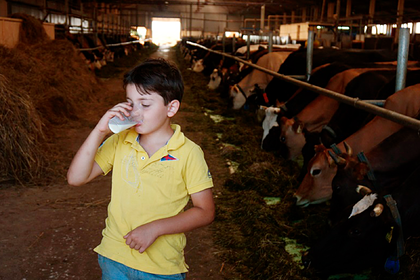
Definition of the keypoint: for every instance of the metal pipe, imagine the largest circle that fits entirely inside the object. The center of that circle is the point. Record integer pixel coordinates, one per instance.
(190, 23)
(248, 46)
(110, 45)
(309, 54)
(355, 102)
(233, 43)
(224, 40)
(402, 60)
(262, 18)
(270, 41)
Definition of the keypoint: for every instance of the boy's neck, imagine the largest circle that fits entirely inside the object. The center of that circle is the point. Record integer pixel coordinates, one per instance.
(151, 143)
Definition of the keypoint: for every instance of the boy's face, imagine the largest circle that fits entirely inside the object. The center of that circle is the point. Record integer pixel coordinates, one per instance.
(149, 110)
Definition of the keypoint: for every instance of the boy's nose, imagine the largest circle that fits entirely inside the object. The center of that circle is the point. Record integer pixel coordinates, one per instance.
(135, 112)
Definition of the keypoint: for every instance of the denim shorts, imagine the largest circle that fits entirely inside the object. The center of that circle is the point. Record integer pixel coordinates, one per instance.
(112, 270)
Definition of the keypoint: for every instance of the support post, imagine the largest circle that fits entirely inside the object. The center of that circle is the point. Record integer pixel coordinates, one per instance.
(270, 41)
(190, 21)
(233, 43)
(262, 18)
(403, 43)
(248, 46)
(400, 12)
(309, 54)
(224, 40)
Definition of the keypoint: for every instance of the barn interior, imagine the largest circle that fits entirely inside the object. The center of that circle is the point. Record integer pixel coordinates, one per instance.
(60, 57)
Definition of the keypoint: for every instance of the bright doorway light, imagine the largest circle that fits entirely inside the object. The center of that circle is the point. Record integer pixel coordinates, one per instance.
(166, 31)
(230, 34)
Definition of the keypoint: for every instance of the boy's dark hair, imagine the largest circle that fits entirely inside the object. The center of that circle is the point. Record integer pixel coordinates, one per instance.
(159, 76)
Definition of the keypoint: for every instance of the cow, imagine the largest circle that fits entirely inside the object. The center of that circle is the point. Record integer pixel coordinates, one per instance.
(192, 52)
(241, 91)
(319, 112)
(382, 168)
(255, 47)
(211, 60)
(302, 97)
(295, 64)
(316, 185)
(367, 86)
(375, 236)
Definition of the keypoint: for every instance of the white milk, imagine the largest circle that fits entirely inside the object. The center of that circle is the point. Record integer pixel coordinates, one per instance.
(116, 125)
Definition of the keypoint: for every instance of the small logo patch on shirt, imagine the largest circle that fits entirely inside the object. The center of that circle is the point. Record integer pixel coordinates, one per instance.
(168, 157)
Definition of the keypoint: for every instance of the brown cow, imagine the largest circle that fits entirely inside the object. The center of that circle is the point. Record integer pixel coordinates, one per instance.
(315, 115)
(316, 185)
(241, 91)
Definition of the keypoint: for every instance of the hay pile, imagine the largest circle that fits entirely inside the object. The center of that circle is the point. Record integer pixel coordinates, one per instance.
(43, 83)
(31, 29)
(21, 128)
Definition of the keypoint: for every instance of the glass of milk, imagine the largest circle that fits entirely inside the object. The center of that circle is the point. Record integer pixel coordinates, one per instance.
(116, 125)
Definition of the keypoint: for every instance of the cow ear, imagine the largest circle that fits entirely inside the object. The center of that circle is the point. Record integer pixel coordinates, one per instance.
(388, 236)
(298, 126)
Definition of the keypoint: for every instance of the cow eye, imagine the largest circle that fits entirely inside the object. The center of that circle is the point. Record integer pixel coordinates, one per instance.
(354, 232)
(283, 139)
(315, 172)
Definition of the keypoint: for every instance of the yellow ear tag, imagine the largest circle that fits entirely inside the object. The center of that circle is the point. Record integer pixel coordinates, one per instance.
(299, 129)
(388, 236)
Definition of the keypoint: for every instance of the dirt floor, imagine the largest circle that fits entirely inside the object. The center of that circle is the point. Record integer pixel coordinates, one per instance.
(49, 232)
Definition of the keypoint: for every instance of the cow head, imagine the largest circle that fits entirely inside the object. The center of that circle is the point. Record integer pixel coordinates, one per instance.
(285, 135)
(237, 97)
(316, 185)
(346, 187)
(198, 65)
(292, 136)
(362, 241)
(270, 121)
(215, 79)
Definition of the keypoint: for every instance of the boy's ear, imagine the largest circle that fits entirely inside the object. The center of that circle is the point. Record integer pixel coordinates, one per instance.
(173, 107)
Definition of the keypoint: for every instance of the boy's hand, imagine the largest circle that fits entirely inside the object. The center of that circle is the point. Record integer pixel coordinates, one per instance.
(123, 108)
(141, 237)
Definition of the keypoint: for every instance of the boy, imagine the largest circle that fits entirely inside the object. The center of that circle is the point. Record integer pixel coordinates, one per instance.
(155, 169)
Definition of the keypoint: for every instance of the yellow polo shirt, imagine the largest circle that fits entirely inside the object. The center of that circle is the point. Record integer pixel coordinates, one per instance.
(146, 189)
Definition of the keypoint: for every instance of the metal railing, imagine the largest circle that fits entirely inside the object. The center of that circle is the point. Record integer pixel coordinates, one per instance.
(110, 45)
(355, 102)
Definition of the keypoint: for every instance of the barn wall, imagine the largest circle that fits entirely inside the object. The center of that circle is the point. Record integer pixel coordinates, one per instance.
(196, 21)
(296, 31)
(10, 28)
(9, 31)
(3, 8)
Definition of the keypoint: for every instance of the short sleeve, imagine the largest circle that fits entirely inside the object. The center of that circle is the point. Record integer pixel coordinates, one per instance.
(197, 175)
(106, 153)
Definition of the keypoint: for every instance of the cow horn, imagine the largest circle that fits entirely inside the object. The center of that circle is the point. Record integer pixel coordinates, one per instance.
(377, 210)
(363, 190)
(337, 159)
(276, 110)
(349, 150)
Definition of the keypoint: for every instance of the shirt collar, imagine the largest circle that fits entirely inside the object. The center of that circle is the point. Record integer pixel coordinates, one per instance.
(176, 140)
